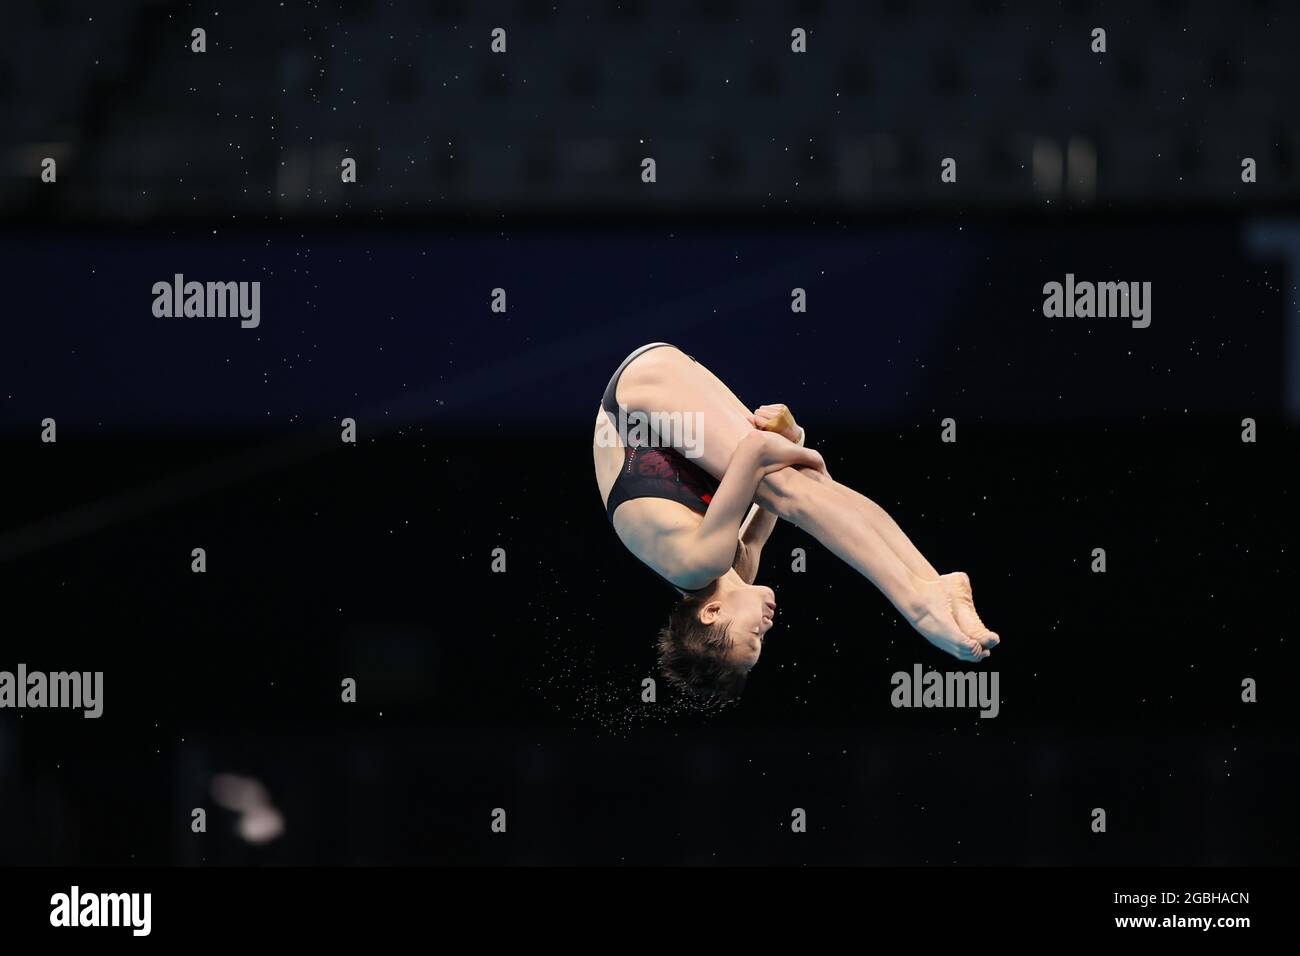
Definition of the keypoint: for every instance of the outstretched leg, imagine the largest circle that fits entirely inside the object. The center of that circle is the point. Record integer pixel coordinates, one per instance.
(957, 584)
(884, 525)
(820, 507)
(665, 380)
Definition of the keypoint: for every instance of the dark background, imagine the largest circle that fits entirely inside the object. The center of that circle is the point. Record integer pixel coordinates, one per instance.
(521, 690)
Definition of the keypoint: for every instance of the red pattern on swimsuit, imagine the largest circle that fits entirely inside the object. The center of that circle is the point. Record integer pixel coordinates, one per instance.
(666, 464)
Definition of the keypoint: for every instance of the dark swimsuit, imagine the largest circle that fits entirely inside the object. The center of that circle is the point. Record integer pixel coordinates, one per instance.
(656, 472)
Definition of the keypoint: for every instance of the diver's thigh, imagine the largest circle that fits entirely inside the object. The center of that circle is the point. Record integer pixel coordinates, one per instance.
(740, 406)
(712, 419)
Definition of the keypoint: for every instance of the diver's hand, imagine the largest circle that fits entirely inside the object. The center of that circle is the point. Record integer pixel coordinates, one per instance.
(774, 452)
(764, 415)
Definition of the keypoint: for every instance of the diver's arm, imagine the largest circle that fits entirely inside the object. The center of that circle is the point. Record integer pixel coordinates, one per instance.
(712, 547)
(753, 535)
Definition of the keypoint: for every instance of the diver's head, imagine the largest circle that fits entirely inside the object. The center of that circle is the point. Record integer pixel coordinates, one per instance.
(714, 637)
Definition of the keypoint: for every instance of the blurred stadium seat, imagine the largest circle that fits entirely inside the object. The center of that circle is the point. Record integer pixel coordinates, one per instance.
(257, 125)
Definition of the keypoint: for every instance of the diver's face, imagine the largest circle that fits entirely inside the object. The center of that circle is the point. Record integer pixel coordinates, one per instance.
(748, 611)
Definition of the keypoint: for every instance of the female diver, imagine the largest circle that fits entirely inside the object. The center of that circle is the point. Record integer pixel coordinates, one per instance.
(693, 483)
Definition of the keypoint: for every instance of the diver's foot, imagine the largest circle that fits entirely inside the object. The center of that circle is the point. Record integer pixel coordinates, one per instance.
(963, 609)
(933, 616)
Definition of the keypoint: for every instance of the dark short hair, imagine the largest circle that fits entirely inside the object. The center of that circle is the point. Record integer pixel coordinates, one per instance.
(692, 654)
